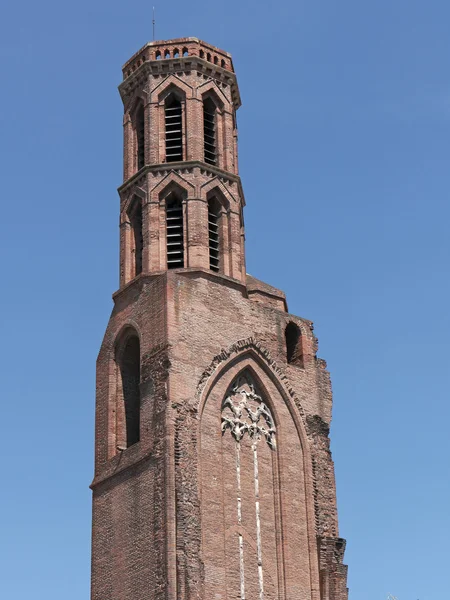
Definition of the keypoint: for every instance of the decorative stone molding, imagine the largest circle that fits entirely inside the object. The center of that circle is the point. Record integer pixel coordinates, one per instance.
(168, 85)
(171, 179)
(178, 66)
(162, 169)
(240, 347)
(218, 184)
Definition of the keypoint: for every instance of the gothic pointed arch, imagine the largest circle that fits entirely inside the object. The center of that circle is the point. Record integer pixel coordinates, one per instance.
(172, 187)
(241, 468)
(171, 105)
(172, 180)
(294, 349)
(216, 186)
(222, 203)
(134, 100)
(218, 234)
(250, 353)
(172, 200)
(169, 84)
(127, 400)
(212, 89)
(213, 118)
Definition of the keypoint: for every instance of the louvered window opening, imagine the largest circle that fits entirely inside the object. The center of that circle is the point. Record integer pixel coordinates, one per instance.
(140, 136)
(174, 130)
(213, 229)
(174, 224)
(209, 131)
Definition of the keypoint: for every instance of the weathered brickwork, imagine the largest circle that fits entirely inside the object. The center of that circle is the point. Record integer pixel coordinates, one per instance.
(227, 488)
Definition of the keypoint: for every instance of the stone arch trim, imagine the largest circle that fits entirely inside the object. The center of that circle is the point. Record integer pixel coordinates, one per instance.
(133, 193)
(170, 84)
(254, 348)
(211, 88)
(309, 341)
(121, 335)
(215, 183)
(172, 179)
(133, 102)
(217, 192)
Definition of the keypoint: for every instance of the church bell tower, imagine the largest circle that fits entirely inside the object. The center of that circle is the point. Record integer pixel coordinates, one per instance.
(213, 474)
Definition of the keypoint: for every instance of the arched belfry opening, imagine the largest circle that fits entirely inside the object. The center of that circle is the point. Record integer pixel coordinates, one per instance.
(214, 234)
(174, 231)
(173, 116)
(294, 351)
(210, 130)
(128, 358)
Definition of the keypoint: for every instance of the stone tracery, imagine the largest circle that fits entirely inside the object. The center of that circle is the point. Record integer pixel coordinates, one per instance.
(243, 410)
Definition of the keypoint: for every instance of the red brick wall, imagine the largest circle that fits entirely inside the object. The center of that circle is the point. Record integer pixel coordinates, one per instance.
(197, 331)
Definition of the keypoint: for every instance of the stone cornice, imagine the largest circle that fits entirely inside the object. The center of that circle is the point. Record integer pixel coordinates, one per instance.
(177, 65)
(159, 44)
(140, 280)
(162, 169)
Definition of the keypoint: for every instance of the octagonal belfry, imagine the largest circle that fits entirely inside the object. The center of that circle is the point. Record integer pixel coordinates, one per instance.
(213, 473)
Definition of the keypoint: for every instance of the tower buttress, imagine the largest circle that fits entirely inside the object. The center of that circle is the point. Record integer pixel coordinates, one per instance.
(213, 473)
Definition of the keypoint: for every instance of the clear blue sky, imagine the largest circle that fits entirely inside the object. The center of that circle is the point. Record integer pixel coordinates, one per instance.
(344, 154)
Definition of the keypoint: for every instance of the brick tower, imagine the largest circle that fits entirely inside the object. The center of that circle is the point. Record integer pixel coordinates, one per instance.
(213, 474)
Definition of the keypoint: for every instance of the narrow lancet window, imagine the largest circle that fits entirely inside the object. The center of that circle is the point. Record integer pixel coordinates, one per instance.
(294, 345)
(174, 129)
(174, 232)
(137, 241)
(130, 371)
(214, 234)
(140, 137)
(209, 131)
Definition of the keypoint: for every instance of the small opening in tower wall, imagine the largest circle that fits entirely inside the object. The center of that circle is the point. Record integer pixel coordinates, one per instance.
(174, 232)
(174, 129)
(293, 336)
(209, 131)
(214, 234)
